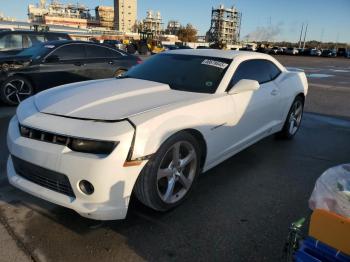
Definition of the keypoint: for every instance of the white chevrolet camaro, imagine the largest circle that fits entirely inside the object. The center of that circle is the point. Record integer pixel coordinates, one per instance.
(89, 146)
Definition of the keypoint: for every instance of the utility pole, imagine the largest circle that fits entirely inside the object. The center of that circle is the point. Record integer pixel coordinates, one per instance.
(321, 38)
(307, 25)
(301, 34)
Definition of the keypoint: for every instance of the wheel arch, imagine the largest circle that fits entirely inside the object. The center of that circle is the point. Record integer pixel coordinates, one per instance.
(120, 68)
(301, 95)
(162, 139)
(31, 81)
(202, 143)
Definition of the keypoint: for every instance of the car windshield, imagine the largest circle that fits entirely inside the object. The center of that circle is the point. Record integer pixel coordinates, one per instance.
(36, 51)
(182, 72)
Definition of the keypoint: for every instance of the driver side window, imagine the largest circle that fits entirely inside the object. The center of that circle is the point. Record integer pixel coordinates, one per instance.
(256, 69)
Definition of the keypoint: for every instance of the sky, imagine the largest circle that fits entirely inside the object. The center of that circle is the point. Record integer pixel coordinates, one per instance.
(273, 20)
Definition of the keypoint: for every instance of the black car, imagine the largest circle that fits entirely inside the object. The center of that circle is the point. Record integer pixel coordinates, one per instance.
(342, 52)
(171, 47)
(56, 63)
(181, 46)
(328, 53)
(13, 42)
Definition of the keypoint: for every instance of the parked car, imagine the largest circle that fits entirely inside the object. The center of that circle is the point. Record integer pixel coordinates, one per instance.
(13, 42)
(184, 47)
(306, 52)
(89, 146)
(328, 53)
(315, 52)
(170, 47)
(59, 62)
(276, 50)
(116, 44)
(342, 52)
(292, 51)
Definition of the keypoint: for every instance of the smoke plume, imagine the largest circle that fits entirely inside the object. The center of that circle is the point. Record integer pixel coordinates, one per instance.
(264, 33)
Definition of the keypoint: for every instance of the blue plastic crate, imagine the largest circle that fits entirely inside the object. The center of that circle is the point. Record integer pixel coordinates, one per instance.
(313, 250)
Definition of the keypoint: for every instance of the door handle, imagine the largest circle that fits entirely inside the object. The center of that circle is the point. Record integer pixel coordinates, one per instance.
(111, 62)
(274, 92)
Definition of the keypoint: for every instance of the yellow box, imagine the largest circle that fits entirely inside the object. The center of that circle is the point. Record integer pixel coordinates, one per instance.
(331, 229)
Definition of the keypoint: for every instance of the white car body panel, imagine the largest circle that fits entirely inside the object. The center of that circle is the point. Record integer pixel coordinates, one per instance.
(141, 115)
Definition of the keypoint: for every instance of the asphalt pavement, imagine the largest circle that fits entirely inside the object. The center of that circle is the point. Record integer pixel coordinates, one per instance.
(329, 83)
(239, 211)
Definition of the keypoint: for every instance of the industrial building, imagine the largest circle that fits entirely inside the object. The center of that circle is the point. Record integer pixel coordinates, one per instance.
(125, 14)
(152, 23)
(173, 27)
(105, 16)
(6, 18)
(225, 25)
(121, 18)
(55, 13)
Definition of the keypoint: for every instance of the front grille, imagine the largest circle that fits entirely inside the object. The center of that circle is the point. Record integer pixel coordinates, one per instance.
(43, 136)
(43, 177)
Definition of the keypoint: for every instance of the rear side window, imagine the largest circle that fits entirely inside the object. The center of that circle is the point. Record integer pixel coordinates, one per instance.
(70, 52)
(37, 39)
(94, 51)
(11, 41)
(256, 69)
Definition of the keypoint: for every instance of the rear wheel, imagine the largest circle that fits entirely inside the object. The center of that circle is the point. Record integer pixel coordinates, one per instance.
(168, 178)
(293, 121)
(15, 89)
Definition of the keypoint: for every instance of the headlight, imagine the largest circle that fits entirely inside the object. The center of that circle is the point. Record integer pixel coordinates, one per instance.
(92, 146)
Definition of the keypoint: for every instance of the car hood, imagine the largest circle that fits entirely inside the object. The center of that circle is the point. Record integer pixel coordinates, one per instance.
(109, 99)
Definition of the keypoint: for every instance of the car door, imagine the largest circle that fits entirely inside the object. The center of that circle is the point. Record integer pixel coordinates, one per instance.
(66, 64)
(101, 61)
(257, 112)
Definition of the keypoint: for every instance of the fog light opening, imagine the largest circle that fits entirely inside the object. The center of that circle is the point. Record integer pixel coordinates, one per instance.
(86, 187)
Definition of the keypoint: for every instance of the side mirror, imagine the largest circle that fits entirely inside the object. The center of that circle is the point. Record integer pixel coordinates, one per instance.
(244, 85)
(52, 59)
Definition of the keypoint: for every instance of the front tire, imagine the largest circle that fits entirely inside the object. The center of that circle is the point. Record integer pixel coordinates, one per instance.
(293, 121)
(15, 89)
(169, 177)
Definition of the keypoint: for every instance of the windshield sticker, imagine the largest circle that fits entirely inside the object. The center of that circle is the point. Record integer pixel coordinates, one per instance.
(49, 46)
(214, 63)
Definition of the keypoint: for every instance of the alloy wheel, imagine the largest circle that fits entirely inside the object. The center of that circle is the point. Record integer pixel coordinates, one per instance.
(176, 172)
(295, 117)
(17, 90)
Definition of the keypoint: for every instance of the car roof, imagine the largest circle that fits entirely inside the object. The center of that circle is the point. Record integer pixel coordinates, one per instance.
(30, 32)
(228, 54)
(58, 43)
(64, 42)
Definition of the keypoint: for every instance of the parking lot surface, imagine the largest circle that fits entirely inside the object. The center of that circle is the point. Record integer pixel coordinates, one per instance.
(240, 210)
(329, 83)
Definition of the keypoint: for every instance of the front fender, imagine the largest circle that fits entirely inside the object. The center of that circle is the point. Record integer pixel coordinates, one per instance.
(154, 128)
(151, 135)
